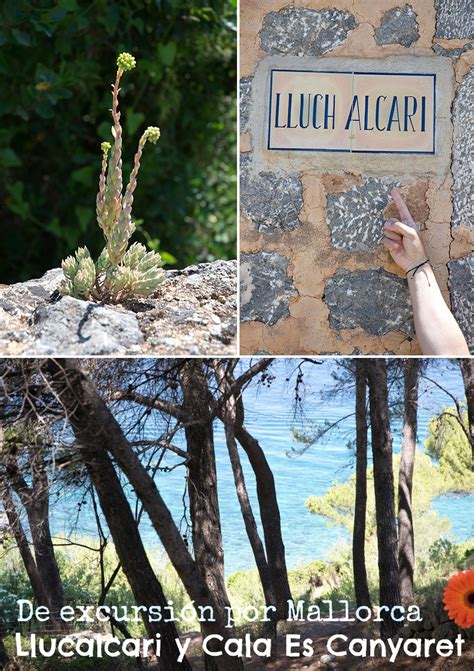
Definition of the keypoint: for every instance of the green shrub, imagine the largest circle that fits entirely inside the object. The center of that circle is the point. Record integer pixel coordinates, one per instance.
(54, 60)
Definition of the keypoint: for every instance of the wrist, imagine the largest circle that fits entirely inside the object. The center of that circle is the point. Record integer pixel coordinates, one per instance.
(418, 268)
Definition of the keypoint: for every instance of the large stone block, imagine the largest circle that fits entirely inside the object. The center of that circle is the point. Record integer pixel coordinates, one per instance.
(271, 201)
(454, 19)
(398, 26)
(265, 287)
(305, 32)
(461, 284)
(463, 152)
(355, 217)
(374, 300)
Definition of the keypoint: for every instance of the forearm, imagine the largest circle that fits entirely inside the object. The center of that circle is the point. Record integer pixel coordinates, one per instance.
(436, 329)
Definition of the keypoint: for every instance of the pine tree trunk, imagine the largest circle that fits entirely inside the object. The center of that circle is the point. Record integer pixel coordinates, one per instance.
(3, 654)
(95, 426)
(269, 514)
(406, 542)
(228, 416)
(23, 546)
(38, 518)
(202, 481)
(145, 586)
(467, 370)
(387, 541)
(360, 508)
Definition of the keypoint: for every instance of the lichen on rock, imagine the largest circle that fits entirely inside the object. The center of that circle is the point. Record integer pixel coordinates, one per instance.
(463, 151)
(272, 201)
(461, 284)
(398, 26)
(245, 101)
(265, 287)
(355, 217)
(454, 19)
(374, 300)
(301, 31)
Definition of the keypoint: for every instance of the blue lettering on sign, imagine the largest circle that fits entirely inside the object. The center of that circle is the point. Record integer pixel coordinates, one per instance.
(322, 110)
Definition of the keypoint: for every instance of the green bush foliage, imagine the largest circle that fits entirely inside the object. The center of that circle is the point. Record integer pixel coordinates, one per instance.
(54, 109)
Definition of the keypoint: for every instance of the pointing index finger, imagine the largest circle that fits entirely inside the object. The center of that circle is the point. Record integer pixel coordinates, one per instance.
(402, 208)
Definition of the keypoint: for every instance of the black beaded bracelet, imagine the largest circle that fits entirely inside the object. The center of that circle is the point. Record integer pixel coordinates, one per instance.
(415, 268)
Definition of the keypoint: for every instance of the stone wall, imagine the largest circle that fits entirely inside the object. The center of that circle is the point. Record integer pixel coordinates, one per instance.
(314, 275)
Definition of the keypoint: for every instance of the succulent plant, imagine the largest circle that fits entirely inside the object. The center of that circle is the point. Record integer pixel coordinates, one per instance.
(119, 272)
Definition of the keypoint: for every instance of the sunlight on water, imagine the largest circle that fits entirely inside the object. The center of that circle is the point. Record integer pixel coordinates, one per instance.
(269, 416)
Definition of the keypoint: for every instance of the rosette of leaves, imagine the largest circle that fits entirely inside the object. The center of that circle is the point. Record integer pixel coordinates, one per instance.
(120, 272)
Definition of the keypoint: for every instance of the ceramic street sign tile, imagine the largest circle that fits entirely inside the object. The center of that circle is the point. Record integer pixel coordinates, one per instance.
(366, 116)
(352, 111)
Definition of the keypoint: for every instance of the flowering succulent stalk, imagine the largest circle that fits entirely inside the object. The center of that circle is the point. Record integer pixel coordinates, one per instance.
(118, 274)
(125, 227)
(100, 201)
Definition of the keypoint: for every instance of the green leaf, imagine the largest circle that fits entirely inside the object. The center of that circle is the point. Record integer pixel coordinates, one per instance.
(9, 159)
(85, 215)
(133, 121)
(167, 53)
(68, 5)
(15, 202)
(167, 258)
(21, 37)
(57, 13)
(103, 131)
(14, 10)
(84, 176)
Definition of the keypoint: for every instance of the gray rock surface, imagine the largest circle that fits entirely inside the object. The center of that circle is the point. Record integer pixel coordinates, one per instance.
(355, 217)
(376, 301)
(194, 312)
(245, 100)
(463, 152)
(305, 32)
(72, 327)
(454, 19)
(461, 285)
(265, 287)
(452, 53)
(398, 26)
(272, 202)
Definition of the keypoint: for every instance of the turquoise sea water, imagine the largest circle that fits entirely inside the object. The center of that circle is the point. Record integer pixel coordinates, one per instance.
(269, 416)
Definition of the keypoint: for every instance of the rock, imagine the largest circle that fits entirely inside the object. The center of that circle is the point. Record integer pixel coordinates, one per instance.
(398, 26)
(452, 53)
(72, 327)
(463, 151)
(374, 300)
(265, 287)
(355, 217)
(305, 32)
(245, 100)
(454, 19)
(461, 284)
(272, 202)
(194, 312)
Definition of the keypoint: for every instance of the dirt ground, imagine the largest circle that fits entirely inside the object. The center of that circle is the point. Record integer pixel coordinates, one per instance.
(319, 632)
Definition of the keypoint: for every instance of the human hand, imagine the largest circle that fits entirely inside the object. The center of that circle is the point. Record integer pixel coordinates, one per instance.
(401, 237)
